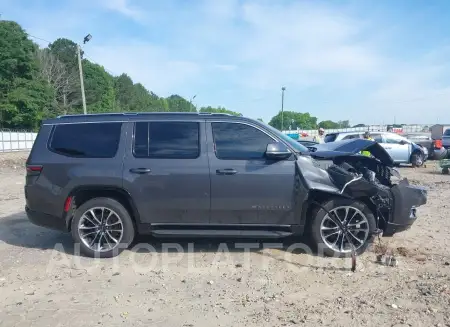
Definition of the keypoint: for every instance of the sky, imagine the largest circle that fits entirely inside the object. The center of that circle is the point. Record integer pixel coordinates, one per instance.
(368, 62)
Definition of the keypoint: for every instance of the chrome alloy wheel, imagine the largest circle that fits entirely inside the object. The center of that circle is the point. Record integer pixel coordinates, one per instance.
(353, 229)
(100, 229)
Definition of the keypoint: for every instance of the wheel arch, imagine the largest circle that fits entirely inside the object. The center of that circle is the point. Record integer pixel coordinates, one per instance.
(83, 194)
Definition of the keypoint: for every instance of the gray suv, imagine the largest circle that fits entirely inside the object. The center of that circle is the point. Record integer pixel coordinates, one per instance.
(105, 178)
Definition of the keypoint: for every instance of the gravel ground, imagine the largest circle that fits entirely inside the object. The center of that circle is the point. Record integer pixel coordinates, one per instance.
(42, 282)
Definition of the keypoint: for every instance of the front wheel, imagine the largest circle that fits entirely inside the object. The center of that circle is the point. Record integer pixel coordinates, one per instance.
(417, 159)
(345, 225)
(102, 227)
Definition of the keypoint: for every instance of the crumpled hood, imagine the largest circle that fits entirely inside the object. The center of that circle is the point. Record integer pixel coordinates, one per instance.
(351, 147)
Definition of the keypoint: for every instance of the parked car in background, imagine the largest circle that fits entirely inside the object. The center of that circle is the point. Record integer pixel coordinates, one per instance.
(446, 139)
(425, 140)
(399, 148)
(440, 133)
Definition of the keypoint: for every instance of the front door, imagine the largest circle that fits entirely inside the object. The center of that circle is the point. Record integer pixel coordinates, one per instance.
(393, 144)
(246, 188)
(166, 171)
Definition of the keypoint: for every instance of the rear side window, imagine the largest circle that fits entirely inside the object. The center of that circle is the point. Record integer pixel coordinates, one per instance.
(234, 141)
(86, 140)
(447, 132)
(167, 140)
(330, 137)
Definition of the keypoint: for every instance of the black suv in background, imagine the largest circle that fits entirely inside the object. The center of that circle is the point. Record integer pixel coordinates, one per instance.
(107, 177)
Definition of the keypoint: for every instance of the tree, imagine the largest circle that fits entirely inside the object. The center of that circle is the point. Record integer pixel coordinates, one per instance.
(66, 51)
(261, 120)
(219, 110)
(179, 104)
(99, 86)
(343, 123)
(295, 120)
(23, 94)
(328, 124)
(65, 83)
(123, 86)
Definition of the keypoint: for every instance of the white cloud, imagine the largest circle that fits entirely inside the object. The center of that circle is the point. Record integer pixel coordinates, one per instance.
(251, 48)
(124, 7)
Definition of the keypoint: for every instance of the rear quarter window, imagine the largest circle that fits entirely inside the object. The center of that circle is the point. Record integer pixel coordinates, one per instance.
(86, 140)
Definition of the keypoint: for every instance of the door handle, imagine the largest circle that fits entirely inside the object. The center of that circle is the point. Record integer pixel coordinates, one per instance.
(140, 170)
(226, 171)
(388, 147)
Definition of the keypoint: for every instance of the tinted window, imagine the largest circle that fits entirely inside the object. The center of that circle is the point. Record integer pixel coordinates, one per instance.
(352, 136)
(166, 140)
(447, 132)
(239, 141)
(86, 140)
(330, 138)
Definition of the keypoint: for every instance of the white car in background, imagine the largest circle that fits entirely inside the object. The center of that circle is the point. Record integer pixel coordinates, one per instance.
(399, 148)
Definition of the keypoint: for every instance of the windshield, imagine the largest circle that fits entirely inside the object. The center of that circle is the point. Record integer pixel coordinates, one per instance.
(293, 143)
(330, 137)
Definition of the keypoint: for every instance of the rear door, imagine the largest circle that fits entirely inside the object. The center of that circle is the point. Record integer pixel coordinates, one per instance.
(246, 188)
(166, 171)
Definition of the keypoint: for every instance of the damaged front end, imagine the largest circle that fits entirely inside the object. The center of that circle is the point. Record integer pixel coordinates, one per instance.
(339, 168)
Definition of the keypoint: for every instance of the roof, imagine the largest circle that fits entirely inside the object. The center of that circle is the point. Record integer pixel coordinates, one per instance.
(137, 116)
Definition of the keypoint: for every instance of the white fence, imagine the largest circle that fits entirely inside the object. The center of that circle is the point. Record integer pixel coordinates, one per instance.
(16, 140)
(371, 128)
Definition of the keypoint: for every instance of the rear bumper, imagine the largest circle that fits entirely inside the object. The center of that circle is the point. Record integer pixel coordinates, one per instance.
(406, 199)
(46, 220)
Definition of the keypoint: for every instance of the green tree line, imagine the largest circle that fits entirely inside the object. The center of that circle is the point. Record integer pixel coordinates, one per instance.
(39, 83)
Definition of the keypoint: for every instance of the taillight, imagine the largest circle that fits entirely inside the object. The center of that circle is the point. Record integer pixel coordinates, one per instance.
(67, 204)
(437, 144)
(34, 169)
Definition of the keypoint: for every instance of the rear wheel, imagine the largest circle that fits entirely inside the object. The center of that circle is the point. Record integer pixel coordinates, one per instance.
(417, 159)
(349, 224)
(102, 227)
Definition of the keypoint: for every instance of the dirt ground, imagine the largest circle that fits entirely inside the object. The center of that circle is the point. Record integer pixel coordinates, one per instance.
(199, 283)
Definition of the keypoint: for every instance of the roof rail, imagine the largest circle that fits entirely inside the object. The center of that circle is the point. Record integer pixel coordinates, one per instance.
(146, 113)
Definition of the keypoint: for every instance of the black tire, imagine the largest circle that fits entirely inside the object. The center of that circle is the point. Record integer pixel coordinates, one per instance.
(417, 159)
(128, 231)
(320, 214)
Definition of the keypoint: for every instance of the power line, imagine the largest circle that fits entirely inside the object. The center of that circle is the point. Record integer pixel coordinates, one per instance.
(86, 57)
(39, 38)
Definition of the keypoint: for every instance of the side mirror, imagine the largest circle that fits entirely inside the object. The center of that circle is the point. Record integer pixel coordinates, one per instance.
(277, 151)
(403, 142)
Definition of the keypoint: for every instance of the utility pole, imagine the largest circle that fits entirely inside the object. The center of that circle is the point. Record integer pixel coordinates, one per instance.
(282, 106)
(190, 102)
(80, 68)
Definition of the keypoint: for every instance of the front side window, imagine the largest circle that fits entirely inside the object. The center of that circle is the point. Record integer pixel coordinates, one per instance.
(377, 138)
(166, 140)
(352, 136)
(393, 139)
(239, 141)
(86, 140)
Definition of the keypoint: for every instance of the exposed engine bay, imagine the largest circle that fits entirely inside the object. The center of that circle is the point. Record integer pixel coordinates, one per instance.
(340, 168)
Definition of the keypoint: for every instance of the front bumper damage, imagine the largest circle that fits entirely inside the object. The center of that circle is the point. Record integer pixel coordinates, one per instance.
(348, 174)
(406, 199)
